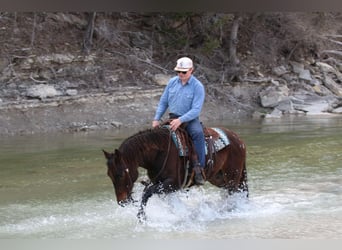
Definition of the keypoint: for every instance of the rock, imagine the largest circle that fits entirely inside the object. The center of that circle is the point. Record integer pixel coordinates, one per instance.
(297, 67)
(318, 89)
(296, 112)
(41, 91)
(296, 100)
(55, 58)
(314, 108)
(332, 86)
(161, 79)
(337, 111)
(271, 96)
(116, 124)
(289, 77)
(326, 67)
(276, 113)
(279, 71)
(315, 81)
(339, 66)
(71, 92)
(46, 60)
(258, 115)
(305, 75)
(285, 106)
(67, 84)
(275, 82)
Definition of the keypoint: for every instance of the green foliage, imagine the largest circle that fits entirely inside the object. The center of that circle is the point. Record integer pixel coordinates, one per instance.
(210, 44)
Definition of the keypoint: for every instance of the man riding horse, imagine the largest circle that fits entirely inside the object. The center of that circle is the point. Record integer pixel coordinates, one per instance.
(184, 96)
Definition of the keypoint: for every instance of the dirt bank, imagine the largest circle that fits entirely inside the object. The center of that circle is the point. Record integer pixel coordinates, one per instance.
(121, 108)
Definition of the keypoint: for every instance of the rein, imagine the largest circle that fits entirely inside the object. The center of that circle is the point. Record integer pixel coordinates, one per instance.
(166, 158)
(183, 135)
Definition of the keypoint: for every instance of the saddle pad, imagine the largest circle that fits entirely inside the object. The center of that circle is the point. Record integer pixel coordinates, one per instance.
(182, 149)
(219, 143)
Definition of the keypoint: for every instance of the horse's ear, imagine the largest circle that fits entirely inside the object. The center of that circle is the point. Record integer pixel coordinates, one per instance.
(117, 153)
(106, 154)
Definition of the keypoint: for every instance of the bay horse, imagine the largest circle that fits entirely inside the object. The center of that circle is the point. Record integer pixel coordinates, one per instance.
(168, 171)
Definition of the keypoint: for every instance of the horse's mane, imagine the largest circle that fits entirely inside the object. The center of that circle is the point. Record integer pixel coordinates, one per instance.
(136, 144)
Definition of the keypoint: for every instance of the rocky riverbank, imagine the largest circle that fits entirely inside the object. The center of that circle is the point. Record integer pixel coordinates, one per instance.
(292, 89)
(74, 72)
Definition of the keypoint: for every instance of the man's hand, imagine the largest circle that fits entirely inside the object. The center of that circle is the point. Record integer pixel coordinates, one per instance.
(155, 124)
(174, 124)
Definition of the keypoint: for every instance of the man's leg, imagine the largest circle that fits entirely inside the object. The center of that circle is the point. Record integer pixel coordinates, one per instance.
(196, 133)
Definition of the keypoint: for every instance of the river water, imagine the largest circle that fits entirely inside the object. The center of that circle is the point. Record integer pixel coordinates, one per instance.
(55, 186)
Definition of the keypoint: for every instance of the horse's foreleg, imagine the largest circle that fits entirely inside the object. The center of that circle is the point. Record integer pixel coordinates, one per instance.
(141, 214)
(158, 188)
(146, 195)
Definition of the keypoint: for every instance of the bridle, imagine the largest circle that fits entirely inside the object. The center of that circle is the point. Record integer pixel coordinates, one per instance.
(130, 182)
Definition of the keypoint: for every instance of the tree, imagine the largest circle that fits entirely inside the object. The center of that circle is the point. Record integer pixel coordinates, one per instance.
(234, 60)
(88, 35)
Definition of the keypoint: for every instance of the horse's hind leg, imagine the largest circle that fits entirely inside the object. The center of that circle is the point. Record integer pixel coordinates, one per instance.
(243, 186)
(238, 185)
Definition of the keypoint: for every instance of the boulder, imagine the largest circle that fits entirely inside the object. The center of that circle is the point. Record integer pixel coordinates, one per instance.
(326, 67)
(285, 106)
(332, 86)
(314, 108)
(71, 92)
(297, 67)
(279, 71)
(41, 91)
(161, 79)
(273, 95)
(305, 75)
(276, 113)
(337, 111)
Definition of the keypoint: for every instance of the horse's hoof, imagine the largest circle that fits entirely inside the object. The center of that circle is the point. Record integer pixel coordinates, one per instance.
(141, 216)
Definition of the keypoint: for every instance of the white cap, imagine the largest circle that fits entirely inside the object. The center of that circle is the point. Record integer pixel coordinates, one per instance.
(184, 64)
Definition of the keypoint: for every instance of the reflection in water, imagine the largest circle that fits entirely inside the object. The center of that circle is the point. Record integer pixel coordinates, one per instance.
(56, 187)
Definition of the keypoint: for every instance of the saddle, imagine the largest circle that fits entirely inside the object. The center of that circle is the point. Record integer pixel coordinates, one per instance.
(215, 140)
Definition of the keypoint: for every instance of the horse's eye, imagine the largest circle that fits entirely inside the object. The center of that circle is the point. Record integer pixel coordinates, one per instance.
(119, 176)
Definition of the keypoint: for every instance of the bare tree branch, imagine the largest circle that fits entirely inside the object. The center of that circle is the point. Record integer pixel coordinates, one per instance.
(88, 35)
(33, 35)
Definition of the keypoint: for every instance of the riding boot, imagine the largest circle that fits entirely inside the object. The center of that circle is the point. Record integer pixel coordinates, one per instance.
(199, 180)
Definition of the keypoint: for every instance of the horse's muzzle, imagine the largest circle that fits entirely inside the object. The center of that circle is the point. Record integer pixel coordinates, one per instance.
(127, 201)
(123, 203)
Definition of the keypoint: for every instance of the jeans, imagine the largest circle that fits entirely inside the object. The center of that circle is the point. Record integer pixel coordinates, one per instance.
(196, 133)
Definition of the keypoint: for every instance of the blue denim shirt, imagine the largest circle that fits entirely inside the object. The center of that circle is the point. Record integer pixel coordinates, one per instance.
(184, 100)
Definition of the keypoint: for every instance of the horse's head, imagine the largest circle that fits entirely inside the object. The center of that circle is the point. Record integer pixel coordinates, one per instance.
(120, 175)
